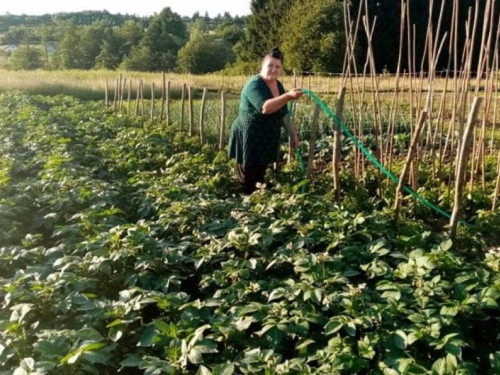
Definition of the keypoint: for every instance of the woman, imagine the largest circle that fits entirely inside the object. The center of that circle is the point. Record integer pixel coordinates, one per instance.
(255, 134)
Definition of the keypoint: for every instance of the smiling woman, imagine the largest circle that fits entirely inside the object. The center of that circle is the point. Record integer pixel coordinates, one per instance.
(255, 134)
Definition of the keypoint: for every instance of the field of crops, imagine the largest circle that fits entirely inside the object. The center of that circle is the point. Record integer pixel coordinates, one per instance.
(125, 246)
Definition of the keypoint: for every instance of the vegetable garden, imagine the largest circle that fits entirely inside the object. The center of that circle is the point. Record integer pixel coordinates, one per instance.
(125, 246)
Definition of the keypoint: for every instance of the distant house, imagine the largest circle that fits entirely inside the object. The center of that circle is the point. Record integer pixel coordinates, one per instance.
(51, 47)
(10, 47)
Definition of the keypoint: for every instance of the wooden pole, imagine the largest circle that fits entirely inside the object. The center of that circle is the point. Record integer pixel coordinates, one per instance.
(222, 139)
(183, 94)
(152, 100)
(202, 114)
(138, 98)
(191, 111)
(115, 97)
(336, 145)
(167, 104)
(163, 91)
(119, 98)
(122, 90)
(497, 186)
(106, 93)
(129, 95)
(312, 141)
(409, 158)
(462, 165)
(142, 98)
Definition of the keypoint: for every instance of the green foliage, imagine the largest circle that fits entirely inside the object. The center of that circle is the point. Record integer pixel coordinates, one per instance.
(69, 51)
(313, 36)
(126, 247)
(140, 59)
(26, 58)
(204, 53)
(109, 56)
(164, 37)
(263, 28)
(230, 32)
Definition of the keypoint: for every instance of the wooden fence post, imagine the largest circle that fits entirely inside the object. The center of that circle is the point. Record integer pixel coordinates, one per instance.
(202, 114)
(138, 98)
(142, 98)
(163, 89)
(152, 100)
(115, 97)
(191, 111)
(106, 93)
(183, 93)
(129, 95)
(122, 87)
(222, 139)
(167, 104)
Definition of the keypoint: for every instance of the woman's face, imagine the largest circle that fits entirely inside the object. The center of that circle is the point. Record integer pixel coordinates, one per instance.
(271, 68)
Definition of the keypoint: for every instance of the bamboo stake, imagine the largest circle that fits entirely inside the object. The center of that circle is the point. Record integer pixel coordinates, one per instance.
(409, 158)
(395, 98)
(336, 145)
(497, 186)
(222, 139)
(202, 114)
(462, 165)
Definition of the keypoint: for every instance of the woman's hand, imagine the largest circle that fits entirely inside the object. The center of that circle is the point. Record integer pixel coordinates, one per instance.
(295, 94)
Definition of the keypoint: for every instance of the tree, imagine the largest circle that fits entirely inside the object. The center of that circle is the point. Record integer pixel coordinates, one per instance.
(109, 57)
(91, 40)
(164, 37)
(263, 28)
(140, 59)
(26, 58)
(69, 52)
(205, 54)
(313, 36)
(230, 32)
(131, 34)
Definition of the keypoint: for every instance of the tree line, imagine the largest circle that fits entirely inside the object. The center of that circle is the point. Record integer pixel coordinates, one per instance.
(311, 33)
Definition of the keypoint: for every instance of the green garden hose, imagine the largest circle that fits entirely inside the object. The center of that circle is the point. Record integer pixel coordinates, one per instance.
(368, 154)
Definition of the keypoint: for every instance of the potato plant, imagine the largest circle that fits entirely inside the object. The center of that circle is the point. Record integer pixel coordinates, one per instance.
(125, 247)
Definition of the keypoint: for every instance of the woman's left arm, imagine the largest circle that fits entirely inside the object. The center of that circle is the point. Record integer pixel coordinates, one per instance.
(295, 142)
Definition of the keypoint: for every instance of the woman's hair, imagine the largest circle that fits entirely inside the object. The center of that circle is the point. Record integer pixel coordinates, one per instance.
(275, 53)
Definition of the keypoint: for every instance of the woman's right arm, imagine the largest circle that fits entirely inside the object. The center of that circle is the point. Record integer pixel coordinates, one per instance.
(275, 104)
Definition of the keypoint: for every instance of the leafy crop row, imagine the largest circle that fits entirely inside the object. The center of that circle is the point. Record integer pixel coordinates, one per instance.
(126, 248)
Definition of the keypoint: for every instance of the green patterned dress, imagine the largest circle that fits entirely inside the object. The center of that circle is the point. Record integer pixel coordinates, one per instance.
(255, 137)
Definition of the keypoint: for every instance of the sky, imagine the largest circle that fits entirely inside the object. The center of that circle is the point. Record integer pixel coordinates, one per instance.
(141, 8)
